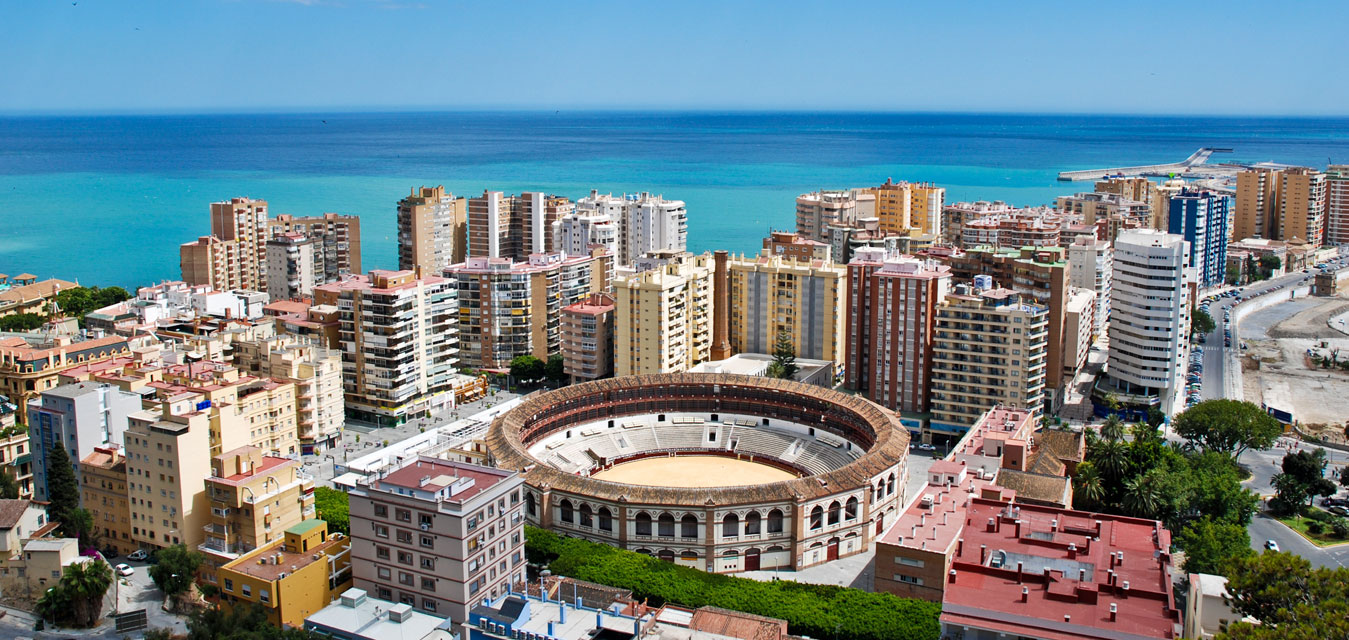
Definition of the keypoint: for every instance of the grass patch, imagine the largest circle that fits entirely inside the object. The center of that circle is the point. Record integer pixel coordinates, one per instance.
(1299, 524)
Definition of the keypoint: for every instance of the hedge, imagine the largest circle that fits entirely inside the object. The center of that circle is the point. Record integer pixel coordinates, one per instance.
(819, 611)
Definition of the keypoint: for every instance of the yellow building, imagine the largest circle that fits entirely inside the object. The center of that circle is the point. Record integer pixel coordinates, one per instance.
(27, 370)
(103, 492)
(167, 458)
(316, 373)
(253, 498)
(291, 578)
(432, 230)
(906, 208)
(243, 410)
(770, 295)
(24, 294)
(1280, 204)
(663, 317)
(15, 454)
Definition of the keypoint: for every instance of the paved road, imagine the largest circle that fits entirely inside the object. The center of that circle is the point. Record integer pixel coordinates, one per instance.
(1263, 466)
(134, 592)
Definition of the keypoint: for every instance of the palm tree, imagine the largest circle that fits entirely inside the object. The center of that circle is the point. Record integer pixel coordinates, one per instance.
(1112, 458)
(1144, 432)
(1142, 497)
(86, 583)
(1087, 485)
(1113, 429)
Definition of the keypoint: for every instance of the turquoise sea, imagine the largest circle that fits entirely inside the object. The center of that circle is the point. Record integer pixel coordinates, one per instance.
(108, 199)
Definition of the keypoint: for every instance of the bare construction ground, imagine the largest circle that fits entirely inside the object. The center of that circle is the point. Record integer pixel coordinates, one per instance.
(1278, 373)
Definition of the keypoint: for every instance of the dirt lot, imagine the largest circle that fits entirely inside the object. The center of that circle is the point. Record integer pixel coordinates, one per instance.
(1276, 369)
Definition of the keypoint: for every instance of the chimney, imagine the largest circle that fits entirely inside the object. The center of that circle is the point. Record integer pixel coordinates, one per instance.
(992, 525)
(721, 287)
(562, 612)
(960, 545)
(1025, 594)
(1067, 618)
(953, 576)
(1017, 522)
(1081, 575)
(1072, 550)
(551, 632)
(1054, 525)
(1114, 611)
(983, 553)
(1019, 574)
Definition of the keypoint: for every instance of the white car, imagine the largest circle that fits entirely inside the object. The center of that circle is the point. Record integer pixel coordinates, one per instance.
(1272, 545)
(125, 570)
(926, 447)
(138, 555)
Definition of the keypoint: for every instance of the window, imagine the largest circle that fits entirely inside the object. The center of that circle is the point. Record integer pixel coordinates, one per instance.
(381, 511)
(567, 513)
(428, 542)
(587, 519)
(850, 511)
(407, 599)
(264, 595)
(405, 578)
(384, 572)
(665, 526)
(381, 531)
(688, 527)
(643, 524)
(428, 584)
(730, 526)
(404, 557)
(229, 584)
(775, 521)
(428, 563)
(405, 536)
(834, 511)
(909, 562)
(403, 515)
(899, 577)
(752, 522)
(247, 591)
(429, 605)
(385, 593)
(606, 520)
(381, 552)
(424, 519)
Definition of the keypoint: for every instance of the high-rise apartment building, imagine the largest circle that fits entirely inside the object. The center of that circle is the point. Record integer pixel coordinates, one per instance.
(27, 370)
(816, 212)
(1149, 322)
(252, 499)
(653, 224)
(295, 265)
(502, 226)
(1090, 264)
(509, 309)
(400, 342)
(910, 208)
(167, 456)
(241, 409)
(1032, 227)
(1039, 272)
(438, 535)
(1079, 329)
(77, 417)
(1287, 204)
(770, 296)
(954, 216)
(315, 372)
(1201, 218)
(337, 236)
(584, 229)
(663, 317)
(629, 226)
(103, 492)
(989, 350)
(244, 221)
(1337, 204)
(213, 262)
(432, 230)
(588, 338)
(891, 318)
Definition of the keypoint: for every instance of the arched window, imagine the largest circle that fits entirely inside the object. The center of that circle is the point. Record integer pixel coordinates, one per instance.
(666, 555)
(607, 521)
(665, 525)
(567, 515)
(643, 524)
(586, 519)
(730, 526)
(529, 503)
(775, 521)
(688, 527)
(880, 491)
(688, 555)
(890, 486)
(834, 511)
(850, 510)
(817, 517)
(752, 523)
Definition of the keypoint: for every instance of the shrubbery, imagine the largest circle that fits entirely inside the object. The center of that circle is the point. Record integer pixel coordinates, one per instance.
(820, 611)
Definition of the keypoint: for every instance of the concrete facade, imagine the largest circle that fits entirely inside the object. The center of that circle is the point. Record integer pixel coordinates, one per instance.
(770, 295)
(77, 417)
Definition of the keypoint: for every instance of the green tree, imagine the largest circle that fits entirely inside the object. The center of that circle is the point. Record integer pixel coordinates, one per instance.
(22, 322)
(175, 570)
(1228, 426)
(1209, 544)
(86, 583)
(527, 369)
(1303, 477)
(1201, 323)
(555, 370)
(1143, 496)
(333, 507)
(1288, 597)
(1112, 429)
(79, 523)
(9, 484)
(63, 492)
(784, 358)
(242, 622)
(1268, 263)
(1087, 489)
(78, 301)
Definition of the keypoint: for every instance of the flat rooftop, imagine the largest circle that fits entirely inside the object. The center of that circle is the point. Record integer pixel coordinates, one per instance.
(431, 474)
(289, 562)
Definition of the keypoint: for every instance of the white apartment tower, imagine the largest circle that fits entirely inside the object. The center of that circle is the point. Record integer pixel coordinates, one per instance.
(1150, 318)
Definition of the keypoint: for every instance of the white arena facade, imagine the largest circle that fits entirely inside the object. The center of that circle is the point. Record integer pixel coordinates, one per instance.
(721, 472)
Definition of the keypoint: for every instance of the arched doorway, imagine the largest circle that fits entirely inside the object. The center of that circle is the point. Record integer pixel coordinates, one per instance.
(832, 552)
(752, 559)
(666, 555)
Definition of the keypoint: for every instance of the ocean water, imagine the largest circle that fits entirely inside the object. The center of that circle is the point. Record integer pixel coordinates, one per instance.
(107, 200)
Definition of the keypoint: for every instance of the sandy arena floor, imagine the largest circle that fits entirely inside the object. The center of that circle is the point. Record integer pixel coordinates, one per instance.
(693, 472)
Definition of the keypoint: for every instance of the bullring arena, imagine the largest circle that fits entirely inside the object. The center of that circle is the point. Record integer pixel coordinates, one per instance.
(716, 471)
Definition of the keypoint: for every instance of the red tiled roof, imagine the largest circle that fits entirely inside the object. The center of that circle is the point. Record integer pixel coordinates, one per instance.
(11, 511)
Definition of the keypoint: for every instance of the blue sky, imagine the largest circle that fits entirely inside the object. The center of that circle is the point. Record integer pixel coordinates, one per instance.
(1179, 57)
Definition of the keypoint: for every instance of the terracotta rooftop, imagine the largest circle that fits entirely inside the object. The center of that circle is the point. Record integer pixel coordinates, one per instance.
(289, 562)
(1053, 489)
(1044, 572)
(734, 624)
(11, 511)
(268, 465)
(997, 423)
(1062, 444)
(935, 526)
(442, 473)
(35, 291)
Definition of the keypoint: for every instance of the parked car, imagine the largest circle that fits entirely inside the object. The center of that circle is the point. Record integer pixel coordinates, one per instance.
(138, 555)
(1272, 545)
(125, 570)
(1339, 511)
(926, 447)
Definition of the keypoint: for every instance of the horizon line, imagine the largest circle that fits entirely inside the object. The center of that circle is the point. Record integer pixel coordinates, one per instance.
(380, 110)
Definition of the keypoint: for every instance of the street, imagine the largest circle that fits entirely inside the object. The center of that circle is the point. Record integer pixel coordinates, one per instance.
(1263, 466)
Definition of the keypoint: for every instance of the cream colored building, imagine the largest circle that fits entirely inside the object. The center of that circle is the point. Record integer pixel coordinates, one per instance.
(253, 498)
(1285, 204)
(168, 456)
(210, 261)
(990, 350)
(770, 295)
(316, 374)
(816, 212)
(244, 220)
(432, 230)
(103, 492)
(663, 317)
(337, 236)
(1079, 329)
(242, 409)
